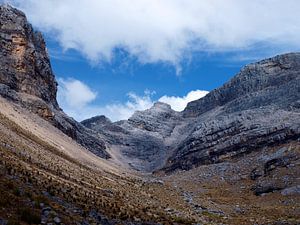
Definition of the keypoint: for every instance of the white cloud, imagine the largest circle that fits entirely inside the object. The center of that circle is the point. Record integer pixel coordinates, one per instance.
(78, 101)
(165, 30)
(73, 93)
(122, 111)
(179, 103)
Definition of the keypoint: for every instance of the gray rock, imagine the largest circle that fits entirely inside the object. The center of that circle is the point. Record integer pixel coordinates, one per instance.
(3, 222)
(256, 173)
(256, 108)
(46, 209)
(26, 77)
(57, 220)
(265, 188)
(291, 190)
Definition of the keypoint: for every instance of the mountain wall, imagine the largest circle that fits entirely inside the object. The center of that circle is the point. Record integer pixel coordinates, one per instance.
(258, 107)
(26, 77)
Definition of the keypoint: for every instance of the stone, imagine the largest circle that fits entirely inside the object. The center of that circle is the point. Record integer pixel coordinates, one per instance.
(291, 190)
(46, 209)
(3, 222)
(256, 173)
(265, 188)
(57, 220)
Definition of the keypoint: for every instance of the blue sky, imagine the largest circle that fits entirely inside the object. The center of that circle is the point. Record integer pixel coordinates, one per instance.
(115, 57)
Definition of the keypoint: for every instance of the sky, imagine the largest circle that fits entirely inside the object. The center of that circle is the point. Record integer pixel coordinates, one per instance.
(114, 57)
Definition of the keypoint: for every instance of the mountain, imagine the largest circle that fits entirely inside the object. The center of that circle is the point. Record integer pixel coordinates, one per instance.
(140, 141)
(258, 107)
(26, 77)
(231, 157)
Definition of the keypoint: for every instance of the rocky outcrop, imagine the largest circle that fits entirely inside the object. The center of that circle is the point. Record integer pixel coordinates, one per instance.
(26, 77)
(140, 139)
(273, 81)
(258, 107)
(267, 176)
(24, 65)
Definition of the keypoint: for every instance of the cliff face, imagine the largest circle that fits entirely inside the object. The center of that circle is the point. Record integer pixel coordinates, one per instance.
(24, 65)
(259, 107)
(140, 140)
(273, 81)
(26, 77)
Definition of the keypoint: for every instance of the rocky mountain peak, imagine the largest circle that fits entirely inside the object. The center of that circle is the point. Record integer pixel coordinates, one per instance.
(156, 118)
(161, 106)
(96, 121)
(25, 65)
(158, 108)
(256, 85)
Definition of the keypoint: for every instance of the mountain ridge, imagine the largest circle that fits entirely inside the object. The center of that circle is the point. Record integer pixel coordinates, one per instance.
(259, 93)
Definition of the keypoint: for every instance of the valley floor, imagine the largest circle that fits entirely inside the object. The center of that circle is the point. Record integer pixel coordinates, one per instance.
(47, 177)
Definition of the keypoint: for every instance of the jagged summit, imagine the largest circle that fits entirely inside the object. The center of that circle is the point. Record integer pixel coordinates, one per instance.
(9, 11)
(161, 106)
(101, 120)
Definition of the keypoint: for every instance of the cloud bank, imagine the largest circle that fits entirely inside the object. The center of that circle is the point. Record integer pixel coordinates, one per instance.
(179, 103)
(74, 93)
(165, 30)
(78, 101)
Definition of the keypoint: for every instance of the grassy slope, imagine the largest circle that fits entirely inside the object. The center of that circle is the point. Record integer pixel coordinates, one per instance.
(29, 161)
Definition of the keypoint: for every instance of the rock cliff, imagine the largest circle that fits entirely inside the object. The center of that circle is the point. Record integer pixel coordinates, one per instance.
(258, 107)
(140, 140)
(24, 65)
(26, 77)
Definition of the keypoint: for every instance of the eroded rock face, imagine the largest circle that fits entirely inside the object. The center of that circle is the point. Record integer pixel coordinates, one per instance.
(259, 107)
(273, 81)
(140, 139)
(24, 64)
(26, 77)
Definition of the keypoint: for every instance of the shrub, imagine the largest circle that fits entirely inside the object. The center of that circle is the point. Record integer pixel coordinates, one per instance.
(29, 216)
(13, 222)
